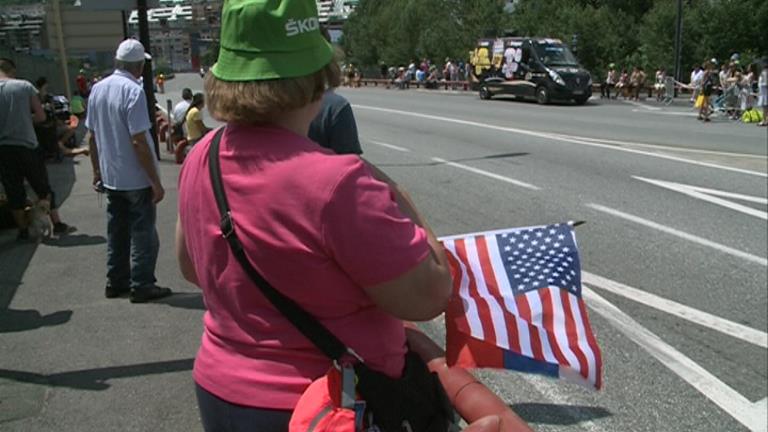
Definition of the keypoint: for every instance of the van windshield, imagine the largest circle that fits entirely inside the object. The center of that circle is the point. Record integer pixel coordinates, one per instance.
(555, 54)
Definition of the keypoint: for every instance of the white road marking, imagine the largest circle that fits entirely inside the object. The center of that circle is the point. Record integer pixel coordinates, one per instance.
(722, 325)
(487, 174)
(560, 137)
(389, 146)
(674, 149)
(670, 113)
(681, 234)
(705, 194)
(737, 406)
(643, 106)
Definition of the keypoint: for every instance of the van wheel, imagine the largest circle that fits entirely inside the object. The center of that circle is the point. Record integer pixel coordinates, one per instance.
(542, 95)
(581, 100)
(485, 94)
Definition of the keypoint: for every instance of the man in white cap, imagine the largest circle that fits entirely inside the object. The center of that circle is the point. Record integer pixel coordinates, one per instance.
(124, 166)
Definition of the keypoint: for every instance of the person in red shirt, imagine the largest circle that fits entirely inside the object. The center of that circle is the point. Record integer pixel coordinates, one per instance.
(330, 231)
(82, 84)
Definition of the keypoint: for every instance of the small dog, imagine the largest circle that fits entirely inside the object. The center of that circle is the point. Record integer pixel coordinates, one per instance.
(39, 219)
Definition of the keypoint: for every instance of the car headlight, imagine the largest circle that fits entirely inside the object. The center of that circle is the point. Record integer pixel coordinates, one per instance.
(556, 77)
(589, 81)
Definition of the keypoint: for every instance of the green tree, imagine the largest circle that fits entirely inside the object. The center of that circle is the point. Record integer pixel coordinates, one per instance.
(626, 32)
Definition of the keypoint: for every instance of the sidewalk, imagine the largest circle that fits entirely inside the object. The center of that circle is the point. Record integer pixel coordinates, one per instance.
(72, 360)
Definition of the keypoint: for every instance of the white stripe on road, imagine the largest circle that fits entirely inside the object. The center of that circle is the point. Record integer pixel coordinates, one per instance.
(644, 106)
(559, 137)
(737, 406)
(669, 148)
(722, 325)
(486, 173)
(389, 146)
(672, 113)
(681, 234)
(704, 194)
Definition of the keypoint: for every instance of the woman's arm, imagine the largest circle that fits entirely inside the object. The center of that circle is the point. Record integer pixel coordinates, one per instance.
(423, 292)
(182, 255)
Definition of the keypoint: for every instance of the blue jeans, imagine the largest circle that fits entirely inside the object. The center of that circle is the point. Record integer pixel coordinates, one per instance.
(132, 242)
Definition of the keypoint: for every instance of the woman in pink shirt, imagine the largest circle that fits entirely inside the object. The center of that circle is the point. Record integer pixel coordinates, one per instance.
(331, 232)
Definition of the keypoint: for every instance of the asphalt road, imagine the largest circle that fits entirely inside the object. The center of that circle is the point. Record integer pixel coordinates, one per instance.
(674, 255)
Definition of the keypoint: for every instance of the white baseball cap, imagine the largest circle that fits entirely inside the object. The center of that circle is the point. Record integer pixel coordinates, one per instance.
(131, 50)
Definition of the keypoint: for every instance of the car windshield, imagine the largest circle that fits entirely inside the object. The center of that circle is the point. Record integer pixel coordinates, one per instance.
(554, 54)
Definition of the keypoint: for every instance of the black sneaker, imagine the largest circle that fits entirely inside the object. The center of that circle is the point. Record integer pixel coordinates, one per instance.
(62, 228)
(115, 292)
(148, 294)
(23, 234)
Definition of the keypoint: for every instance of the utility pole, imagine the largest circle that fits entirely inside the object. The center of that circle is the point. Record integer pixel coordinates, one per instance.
(679, 41)
(141, 7)
(60, 46)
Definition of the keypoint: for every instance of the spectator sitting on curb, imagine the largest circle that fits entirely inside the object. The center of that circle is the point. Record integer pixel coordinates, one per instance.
(179, 115)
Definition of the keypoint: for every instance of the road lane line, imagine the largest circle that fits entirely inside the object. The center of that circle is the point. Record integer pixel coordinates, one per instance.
(559, 137)
(644, 106)
(389, 146)
(728, 399)
(487, 174)
(705, 195)
(722, 325)
(675, 149)
(681, 234)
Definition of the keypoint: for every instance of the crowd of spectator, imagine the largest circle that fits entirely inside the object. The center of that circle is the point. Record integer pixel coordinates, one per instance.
(729, 87)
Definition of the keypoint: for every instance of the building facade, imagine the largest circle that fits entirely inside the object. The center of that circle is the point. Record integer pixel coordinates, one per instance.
(22, 28)
(180, 31)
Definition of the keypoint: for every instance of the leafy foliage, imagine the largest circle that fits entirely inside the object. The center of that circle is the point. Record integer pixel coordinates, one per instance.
(625, 32)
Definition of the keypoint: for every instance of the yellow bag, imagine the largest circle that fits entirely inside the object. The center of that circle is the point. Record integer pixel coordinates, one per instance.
(699, 101)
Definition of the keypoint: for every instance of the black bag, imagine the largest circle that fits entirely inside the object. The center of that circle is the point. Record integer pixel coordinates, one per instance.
(416, 402)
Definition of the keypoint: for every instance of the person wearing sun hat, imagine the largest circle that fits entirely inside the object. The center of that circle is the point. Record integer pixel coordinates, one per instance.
(329, 231)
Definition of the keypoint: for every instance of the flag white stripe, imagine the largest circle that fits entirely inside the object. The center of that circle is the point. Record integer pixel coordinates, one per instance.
(537, 312)
(507, 294)
(470, 307)
(582, 338)
(560, 325)
(497, 316)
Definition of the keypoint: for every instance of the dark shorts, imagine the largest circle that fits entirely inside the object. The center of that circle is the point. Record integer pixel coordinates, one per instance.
(219, 415)
(17, 164)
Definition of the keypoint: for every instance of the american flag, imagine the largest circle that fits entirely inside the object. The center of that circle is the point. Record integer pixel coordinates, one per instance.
(517, 304)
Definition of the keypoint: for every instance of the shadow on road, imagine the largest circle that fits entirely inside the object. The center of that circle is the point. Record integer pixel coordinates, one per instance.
(71, 240)
(16, 256)
(184, 301)
(565, 415)
(21, 320)
(426, 164)
(14, 260)
(97, 379)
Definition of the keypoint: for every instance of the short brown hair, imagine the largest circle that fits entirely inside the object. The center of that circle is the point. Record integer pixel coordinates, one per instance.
(7, 66)
(259, 102)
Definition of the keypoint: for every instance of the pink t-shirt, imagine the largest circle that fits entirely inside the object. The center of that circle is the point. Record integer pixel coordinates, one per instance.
(319, 228)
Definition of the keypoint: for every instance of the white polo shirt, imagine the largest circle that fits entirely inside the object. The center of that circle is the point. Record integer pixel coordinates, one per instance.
(117, 110)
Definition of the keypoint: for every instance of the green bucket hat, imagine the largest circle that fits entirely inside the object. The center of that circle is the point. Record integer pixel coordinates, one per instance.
(270, 39)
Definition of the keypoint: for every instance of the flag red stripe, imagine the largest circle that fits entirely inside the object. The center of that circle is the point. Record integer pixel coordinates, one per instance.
(524, 309)
(493, 288)
(593, 346)
(456, 305)
(548, 319)
(573, 336)
(482, 305)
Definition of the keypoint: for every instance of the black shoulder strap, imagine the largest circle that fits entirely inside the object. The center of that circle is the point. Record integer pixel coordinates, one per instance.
(329, 344)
